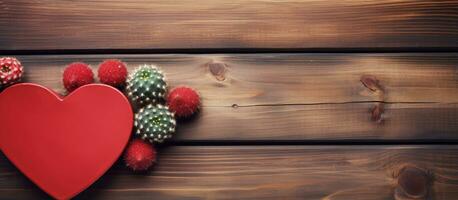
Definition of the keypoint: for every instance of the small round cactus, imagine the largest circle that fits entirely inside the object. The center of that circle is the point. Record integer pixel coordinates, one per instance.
(146, 85)
(183, 101)
(113, 72)
(155, 123)
(10, 71)
(76, 75)
(139, 155)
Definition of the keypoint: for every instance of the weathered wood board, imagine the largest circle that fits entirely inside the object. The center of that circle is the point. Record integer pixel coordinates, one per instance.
(185, 24)
(274, 172)
(301, 96)
(284, 79)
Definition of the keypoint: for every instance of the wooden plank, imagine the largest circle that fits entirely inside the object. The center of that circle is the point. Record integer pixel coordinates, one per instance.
(301, 96)
(272, 79)
(185, 24)
(274, 172)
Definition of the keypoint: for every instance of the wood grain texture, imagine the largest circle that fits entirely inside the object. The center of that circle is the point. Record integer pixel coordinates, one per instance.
(274, 172)
(301, 96)
(185, 24)
(323, 122)
(284, 79)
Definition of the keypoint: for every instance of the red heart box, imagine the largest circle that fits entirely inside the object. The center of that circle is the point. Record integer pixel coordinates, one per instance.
(64, 145)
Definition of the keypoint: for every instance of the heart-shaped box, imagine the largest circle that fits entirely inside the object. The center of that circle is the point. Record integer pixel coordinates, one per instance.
(64, 144)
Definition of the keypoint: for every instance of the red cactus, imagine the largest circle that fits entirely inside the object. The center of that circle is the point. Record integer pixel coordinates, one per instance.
(76, 75)
(113, 72)
(139, 155)
(183, 101)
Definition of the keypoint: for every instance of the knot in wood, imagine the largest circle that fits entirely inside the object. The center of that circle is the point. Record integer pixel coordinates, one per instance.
(413, 183)
(218, 70)
(377, 113)
(372, 83)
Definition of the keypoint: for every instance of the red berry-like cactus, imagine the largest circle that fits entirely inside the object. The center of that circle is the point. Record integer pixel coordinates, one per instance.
(10, 71)
(183, 101)
(113, 72)
(139, 155)
(76, 75)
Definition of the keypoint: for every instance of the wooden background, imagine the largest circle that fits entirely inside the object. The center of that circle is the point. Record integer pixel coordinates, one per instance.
(302, 99)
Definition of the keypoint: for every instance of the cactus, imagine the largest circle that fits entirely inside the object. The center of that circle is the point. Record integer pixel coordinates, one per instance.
(76, 75)
(155, 123)
(113, 72)
(139, 155)
(146, 85)
(10, 71)
(183, 101)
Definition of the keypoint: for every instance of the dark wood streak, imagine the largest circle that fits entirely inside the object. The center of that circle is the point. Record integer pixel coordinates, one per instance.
(137, 24)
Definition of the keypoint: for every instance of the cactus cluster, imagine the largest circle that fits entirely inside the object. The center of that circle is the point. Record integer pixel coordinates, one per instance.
(154, 123)
(146, 85)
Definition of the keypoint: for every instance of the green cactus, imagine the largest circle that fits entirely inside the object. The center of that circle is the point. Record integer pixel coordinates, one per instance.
(146, 85)
(155, 123)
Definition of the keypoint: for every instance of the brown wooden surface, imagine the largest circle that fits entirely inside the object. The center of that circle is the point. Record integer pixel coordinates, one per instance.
(274, 172)
(256, 107)
(186, 24)
(300, 96)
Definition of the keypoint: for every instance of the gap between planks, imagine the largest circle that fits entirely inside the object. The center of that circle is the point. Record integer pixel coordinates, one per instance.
(370, 50)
